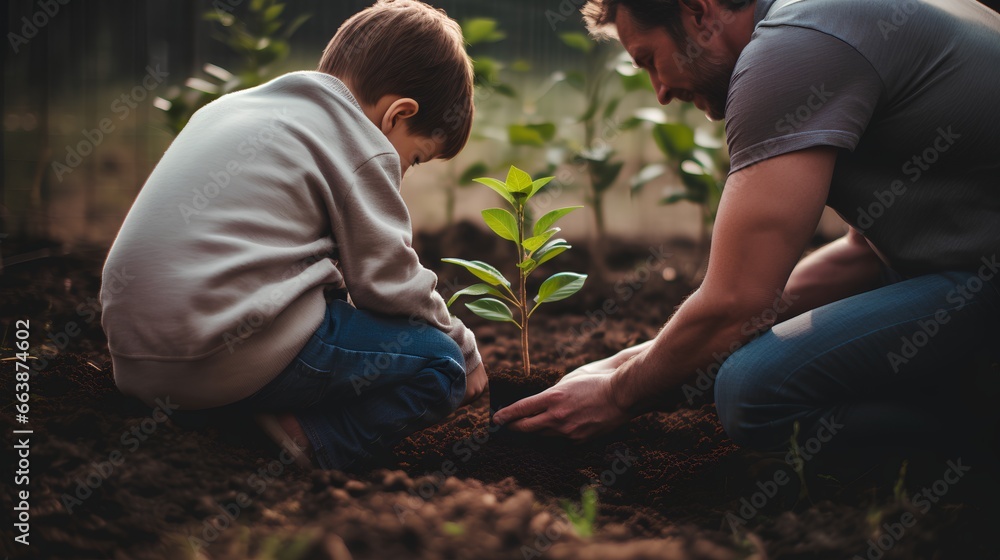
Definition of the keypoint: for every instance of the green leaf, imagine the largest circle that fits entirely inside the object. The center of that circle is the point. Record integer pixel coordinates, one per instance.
(520, 65)
(518, 180)
(674, 139)
(504, 89)
(560, 286)
(496, 185)
(550, 250)
(611, 107)
(295, 25)
(492, 309)
(521, 135)
(528, 264)
(484, 70)
(589, 502)
(273, 12)
(589, 113)
(481, 30)
(576, 79)
(578, 41)
(538, 184)
(531, 134)
(532, 244)
(605, 174)
(223, 17)
(699, 187)
(646, 174)
(636, 82)
(502, 222)
(550, 218)
(677, 197)
(546, 130)
(475, 290)
(471, 172)
(481, 270)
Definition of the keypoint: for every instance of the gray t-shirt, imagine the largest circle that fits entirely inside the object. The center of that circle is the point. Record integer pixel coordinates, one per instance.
(911, 90)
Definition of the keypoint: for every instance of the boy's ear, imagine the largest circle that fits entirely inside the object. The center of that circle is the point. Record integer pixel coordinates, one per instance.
(397, 112)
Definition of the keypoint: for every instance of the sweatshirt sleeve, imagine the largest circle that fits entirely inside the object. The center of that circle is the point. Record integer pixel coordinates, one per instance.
(381, 270)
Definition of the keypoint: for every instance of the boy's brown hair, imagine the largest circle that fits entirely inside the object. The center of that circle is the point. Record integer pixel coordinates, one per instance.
(405, 47)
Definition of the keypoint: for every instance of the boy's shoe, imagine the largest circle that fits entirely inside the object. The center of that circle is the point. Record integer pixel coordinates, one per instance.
(273, 428)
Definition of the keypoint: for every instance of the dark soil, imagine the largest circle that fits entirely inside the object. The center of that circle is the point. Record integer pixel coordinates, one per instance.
(108, 481)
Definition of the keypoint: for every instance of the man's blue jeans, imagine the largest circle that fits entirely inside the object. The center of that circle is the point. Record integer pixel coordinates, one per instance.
(878, 369)
(362, 383)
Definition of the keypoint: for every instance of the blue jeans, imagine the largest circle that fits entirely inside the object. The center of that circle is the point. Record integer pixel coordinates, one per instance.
(876, 370)
(362, 383)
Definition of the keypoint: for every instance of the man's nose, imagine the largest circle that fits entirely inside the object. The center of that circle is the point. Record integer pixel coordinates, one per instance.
(662, 91)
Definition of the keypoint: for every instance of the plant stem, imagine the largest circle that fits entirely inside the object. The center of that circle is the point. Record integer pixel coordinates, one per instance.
(523, 291)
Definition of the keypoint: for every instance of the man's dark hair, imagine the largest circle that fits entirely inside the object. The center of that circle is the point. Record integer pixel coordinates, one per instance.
(600, 15)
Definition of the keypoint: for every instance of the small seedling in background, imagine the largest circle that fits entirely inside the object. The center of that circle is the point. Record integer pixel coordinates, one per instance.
(899, 490)
(535, 245)
(581, 517)
(798, 463)
(453, 529)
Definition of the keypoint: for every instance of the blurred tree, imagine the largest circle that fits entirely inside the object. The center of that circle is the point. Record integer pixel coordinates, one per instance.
(260, 37)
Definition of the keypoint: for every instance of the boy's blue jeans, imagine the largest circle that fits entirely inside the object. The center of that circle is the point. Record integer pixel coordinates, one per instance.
(364, 382)
(879, 369)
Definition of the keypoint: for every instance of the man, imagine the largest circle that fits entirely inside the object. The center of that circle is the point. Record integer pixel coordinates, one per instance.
(885, 111)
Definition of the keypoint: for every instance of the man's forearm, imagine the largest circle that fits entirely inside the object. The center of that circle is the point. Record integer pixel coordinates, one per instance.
(838, 270)
(693, 338)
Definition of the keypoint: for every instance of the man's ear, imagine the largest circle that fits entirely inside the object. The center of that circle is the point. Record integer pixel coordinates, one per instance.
(697, 10)
(400, 110)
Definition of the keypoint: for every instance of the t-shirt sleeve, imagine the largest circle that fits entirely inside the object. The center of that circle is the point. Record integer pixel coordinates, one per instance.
(795, 88)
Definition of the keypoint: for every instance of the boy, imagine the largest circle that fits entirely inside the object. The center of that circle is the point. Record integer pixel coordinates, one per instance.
(232, 240)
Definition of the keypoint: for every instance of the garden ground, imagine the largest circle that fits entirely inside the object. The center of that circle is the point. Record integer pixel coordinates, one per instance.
(110, 479)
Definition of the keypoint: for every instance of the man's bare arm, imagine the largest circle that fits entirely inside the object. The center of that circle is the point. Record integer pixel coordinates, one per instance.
(838, 270)
(767, 216)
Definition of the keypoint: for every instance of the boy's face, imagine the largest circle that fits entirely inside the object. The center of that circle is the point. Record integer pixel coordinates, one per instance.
(412, 149)
(394, 122)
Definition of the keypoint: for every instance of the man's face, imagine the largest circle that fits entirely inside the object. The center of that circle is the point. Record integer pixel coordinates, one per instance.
(702, 79)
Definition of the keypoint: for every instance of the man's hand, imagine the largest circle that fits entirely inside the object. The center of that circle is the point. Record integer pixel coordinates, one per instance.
(475, 385)
(578, 407)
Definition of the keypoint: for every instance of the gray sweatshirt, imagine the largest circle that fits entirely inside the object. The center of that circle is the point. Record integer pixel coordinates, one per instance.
(216, 279)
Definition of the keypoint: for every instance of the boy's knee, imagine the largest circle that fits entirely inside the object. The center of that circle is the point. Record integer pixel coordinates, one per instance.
(449, 363)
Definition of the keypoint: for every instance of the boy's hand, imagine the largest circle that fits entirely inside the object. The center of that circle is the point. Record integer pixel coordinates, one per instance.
(475, 384)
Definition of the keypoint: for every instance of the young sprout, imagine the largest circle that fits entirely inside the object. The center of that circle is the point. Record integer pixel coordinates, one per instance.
(535, 245)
